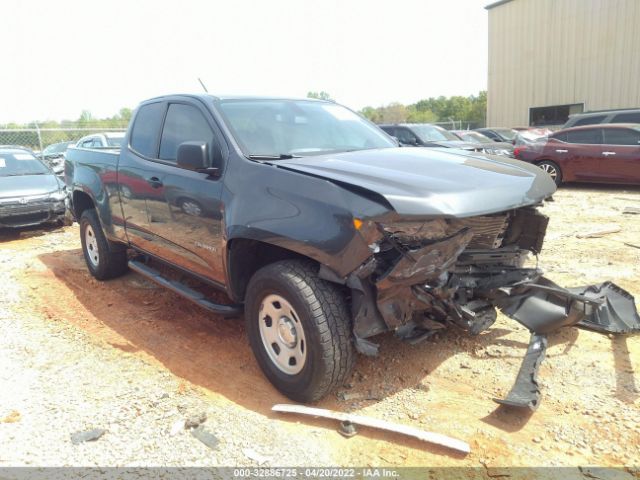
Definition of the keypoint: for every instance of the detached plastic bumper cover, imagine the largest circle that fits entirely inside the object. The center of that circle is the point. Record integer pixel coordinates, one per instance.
(543, 307)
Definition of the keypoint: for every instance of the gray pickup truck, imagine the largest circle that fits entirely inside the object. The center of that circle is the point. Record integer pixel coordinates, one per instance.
(325, 234)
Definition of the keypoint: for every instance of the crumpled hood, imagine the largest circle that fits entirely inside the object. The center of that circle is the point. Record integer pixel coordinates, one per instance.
(433, 182)
(26, 185)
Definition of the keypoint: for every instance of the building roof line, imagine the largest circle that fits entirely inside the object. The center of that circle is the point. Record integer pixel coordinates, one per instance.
(497, 4)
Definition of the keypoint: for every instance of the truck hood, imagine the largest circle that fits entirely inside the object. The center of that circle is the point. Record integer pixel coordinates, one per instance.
(26, 185)
(421, 182)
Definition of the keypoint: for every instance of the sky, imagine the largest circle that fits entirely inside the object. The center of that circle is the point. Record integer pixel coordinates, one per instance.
(60, 57)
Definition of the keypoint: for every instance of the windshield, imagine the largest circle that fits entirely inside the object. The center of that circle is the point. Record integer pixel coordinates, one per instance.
(475, 137)
(20, 163)
(114, 141)
(299, 127)
(432, 133)
(506, 133)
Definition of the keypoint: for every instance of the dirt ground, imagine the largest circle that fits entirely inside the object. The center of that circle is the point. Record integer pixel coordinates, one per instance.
(85, 346)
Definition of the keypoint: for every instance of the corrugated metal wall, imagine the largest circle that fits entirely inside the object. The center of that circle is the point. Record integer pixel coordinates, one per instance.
(557, 52)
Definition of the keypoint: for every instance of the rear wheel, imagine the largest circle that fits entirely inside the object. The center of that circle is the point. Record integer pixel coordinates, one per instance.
(552, 169)
(299, 329)
(104, 259)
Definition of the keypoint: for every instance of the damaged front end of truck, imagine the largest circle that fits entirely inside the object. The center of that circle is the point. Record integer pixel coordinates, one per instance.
(424, 276)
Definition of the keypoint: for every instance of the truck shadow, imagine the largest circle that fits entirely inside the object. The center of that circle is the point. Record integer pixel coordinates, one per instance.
(139, 318)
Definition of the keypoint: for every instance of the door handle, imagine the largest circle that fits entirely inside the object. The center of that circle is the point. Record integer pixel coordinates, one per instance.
(562, 151)
(606, 154)
(155, 182)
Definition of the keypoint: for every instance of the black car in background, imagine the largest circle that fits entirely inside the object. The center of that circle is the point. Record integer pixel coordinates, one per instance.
(499, 134)
(488, 146)
(30, 193)
(53, 155)
(427, 135)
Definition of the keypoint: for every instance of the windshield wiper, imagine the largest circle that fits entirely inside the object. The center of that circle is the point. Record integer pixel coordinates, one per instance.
(282, 156)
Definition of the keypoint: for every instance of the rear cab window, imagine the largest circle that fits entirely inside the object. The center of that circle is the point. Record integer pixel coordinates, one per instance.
(146, 129)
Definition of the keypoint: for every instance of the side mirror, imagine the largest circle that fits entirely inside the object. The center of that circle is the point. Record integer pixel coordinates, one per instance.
(195, 156)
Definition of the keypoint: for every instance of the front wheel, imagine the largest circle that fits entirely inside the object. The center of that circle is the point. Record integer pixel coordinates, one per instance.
(104, 259)
(299, 329)
(552, 169)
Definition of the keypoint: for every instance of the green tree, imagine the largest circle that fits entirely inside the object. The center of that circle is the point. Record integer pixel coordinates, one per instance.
(319, 95)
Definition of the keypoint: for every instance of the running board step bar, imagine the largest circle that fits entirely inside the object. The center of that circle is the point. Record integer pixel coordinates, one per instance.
(183, 290)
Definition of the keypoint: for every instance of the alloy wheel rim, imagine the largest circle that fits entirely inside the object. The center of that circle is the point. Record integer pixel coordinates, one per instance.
(550, 170)
(91, 245)
(282, 334)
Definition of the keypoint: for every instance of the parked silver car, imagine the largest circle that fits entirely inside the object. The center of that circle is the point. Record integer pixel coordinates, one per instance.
(101, 140)
(30, 193)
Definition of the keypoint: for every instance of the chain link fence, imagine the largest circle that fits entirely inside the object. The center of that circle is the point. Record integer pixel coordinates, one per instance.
(38, 138)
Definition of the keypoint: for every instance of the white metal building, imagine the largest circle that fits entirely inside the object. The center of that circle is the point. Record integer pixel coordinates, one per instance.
(552, 58)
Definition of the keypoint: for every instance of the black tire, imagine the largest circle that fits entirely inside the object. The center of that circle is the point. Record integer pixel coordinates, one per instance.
(551, 167)
(322, 310)
(111, 258)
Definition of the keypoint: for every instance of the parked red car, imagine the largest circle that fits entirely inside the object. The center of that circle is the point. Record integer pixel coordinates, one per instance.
(594, 153)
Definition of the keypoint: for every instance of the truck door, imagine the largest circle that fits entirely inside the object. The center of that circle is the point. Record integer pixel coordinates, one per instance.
(185, 216)
(135, 171)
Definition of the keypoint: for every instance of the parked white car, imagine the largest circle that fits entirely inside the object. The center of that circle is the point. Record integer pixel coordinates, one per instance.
(101, 140)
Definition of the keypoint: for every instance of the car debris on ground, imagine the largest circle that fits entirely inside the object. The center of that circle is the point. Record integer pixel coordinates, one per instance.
(600, 232)
(631, 210)
(429, 437)
(87, 436)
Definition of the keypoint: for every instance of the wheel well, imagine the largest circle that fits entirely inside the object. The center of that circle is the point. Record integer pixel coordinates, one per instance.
(246, 257)
(81, 202)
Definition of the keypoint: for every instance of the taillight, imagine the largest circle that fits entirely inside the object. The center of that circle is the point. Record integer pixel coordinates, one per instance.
(517, 151)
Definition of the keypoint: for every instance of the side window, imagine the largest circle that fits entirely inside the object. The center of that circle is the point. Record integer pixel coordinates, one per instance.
(96, 142)
(631, 117)
(144, 136)
(184, 123)
(590, 136)
(592, 120)
(406, 136)
(621, 136)
(87, 143)
(562, 136)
